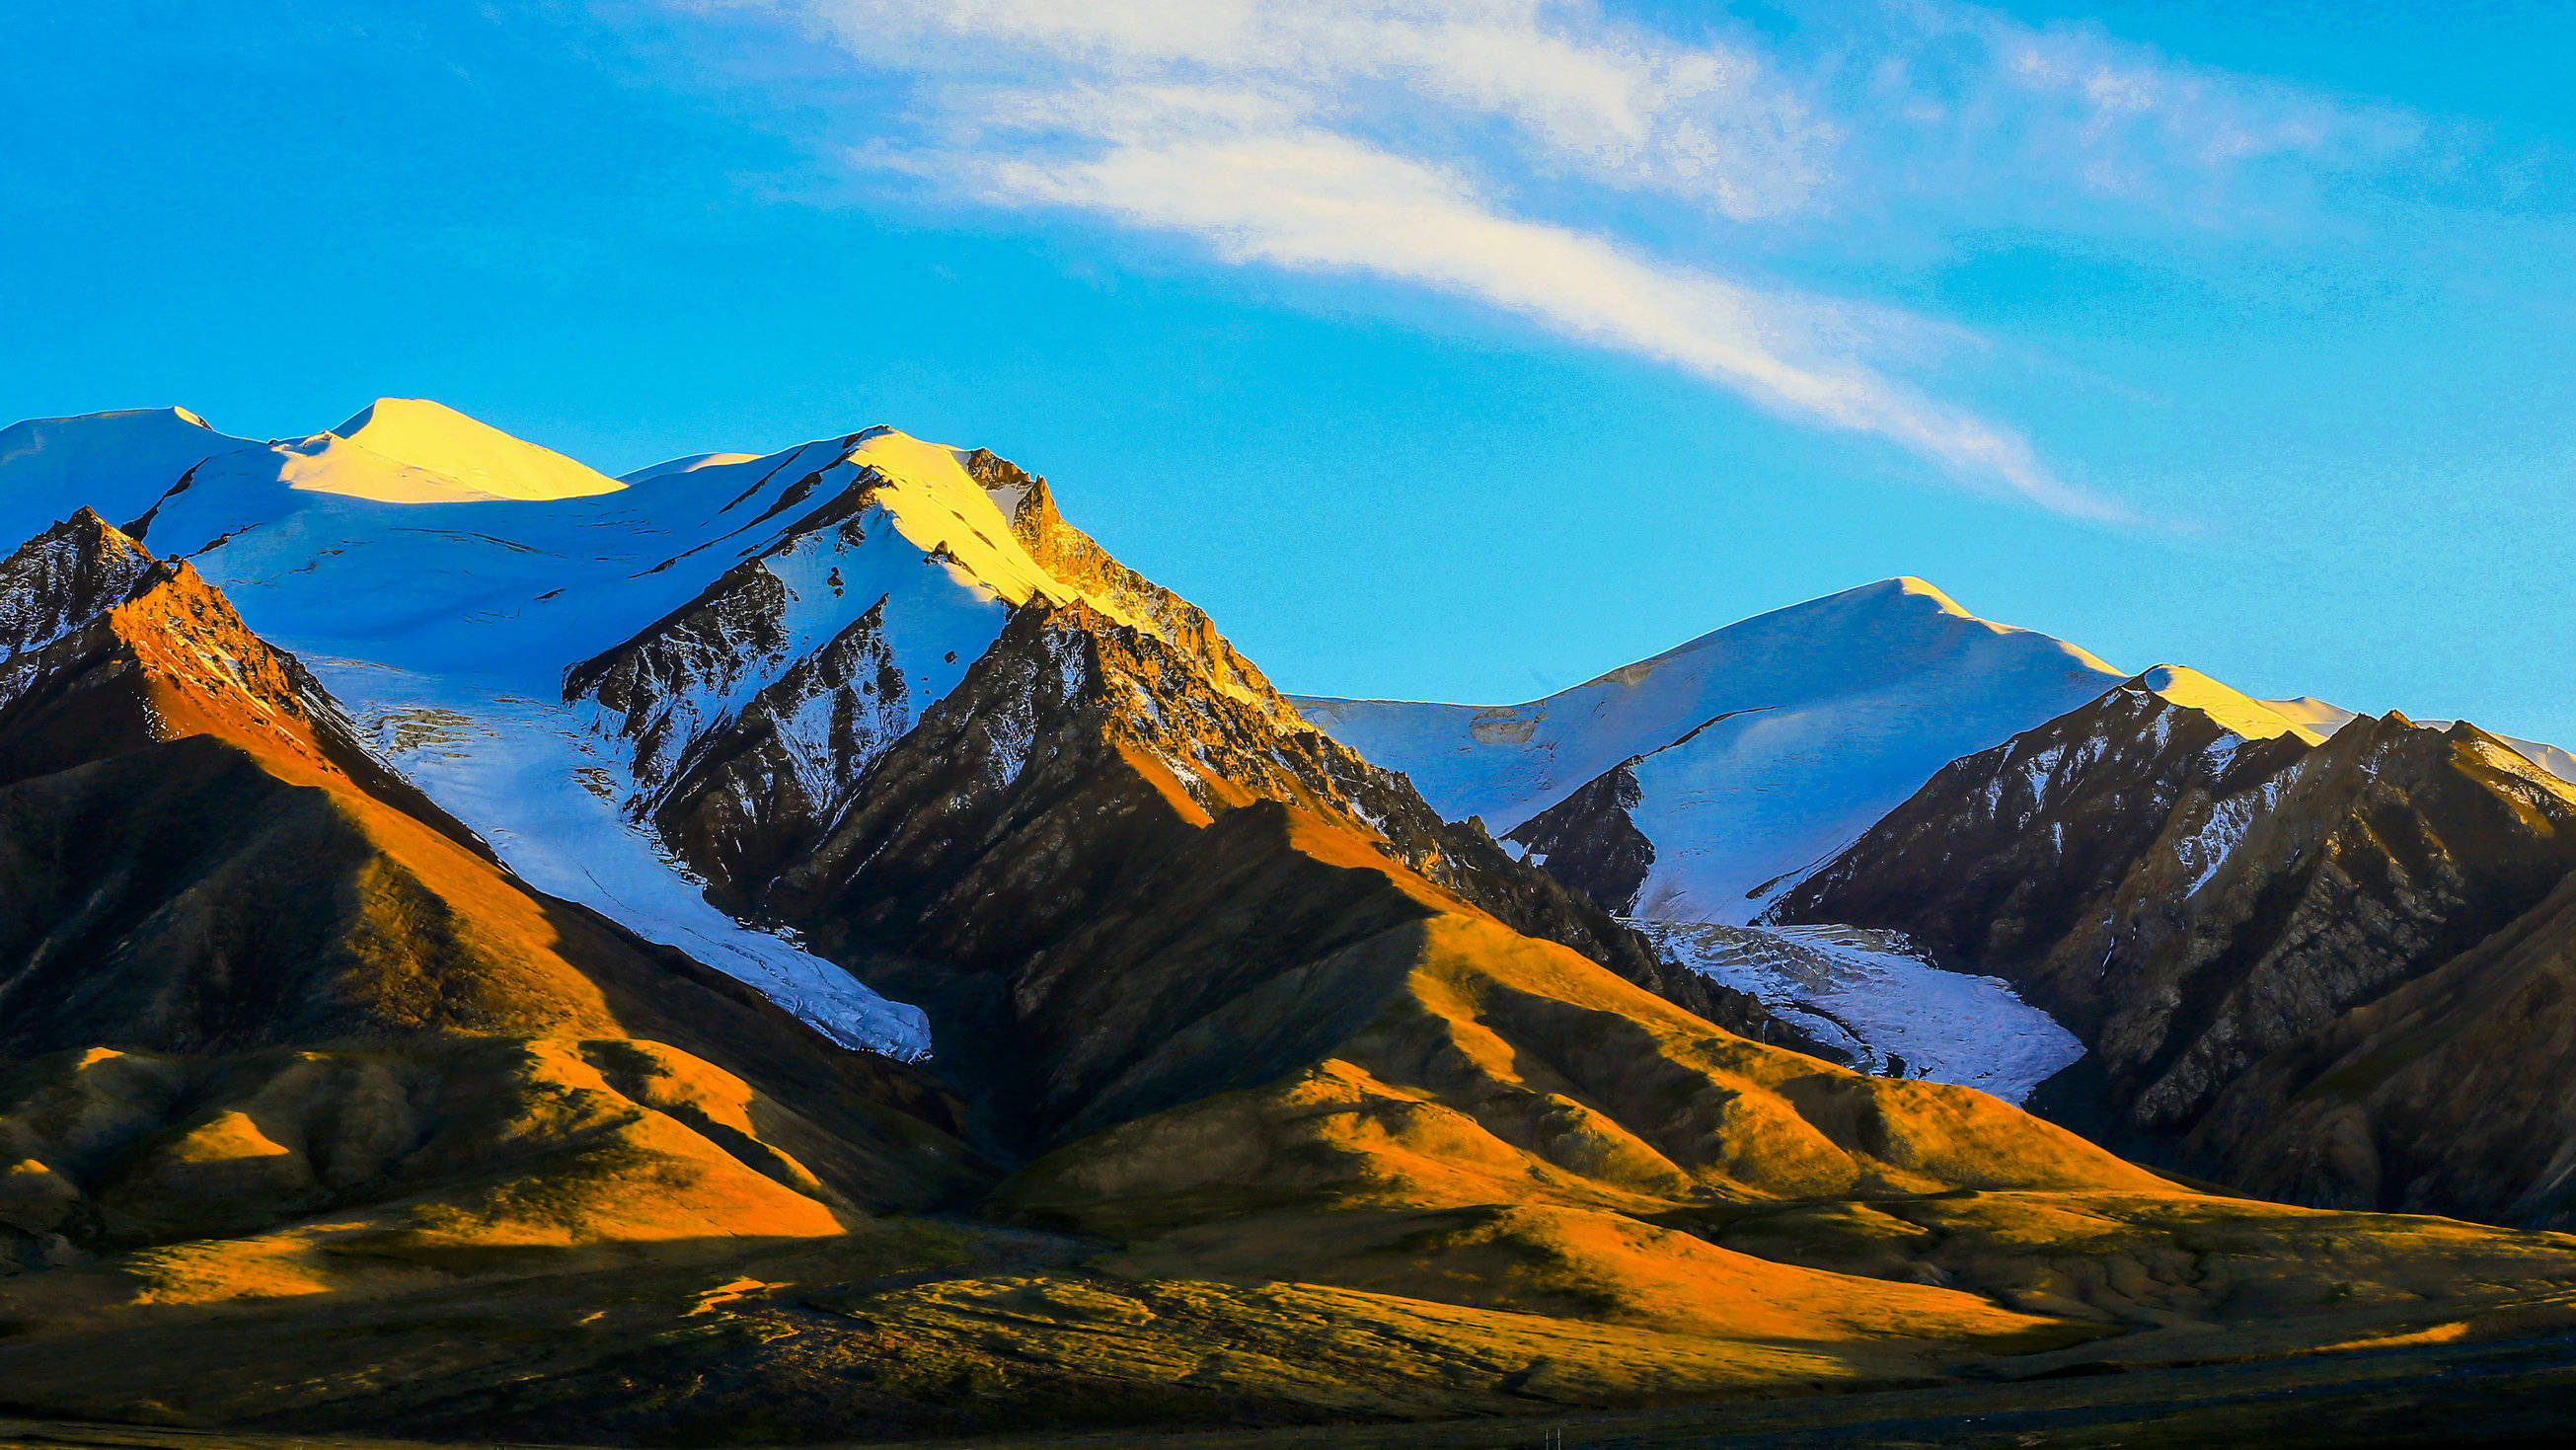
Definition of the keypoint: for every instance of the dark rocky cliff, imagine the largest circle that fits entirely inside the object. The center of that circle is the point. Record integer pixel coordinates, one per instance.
(2192, 903)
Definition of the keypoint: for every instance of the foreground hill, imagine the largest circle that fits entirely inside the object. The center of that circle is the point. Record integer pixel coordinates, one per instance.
(1289, 1102)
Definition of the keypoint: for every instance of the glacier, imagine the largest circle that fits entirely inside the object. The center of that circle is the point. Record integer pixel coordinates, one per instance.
(1872, 995)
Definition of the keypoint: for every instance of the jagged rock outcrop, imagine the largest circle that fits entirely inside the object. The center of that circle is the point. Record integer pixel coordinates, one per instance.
(2016, 858)
(1080, 832)
(2190, 900)
(1068, 554)
(1590, 842)
(62, 579)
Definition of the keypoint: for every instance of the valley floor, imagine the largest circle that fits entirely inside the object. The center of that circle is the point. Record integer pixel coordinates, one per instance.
(2507, 1393)
(946, 1332)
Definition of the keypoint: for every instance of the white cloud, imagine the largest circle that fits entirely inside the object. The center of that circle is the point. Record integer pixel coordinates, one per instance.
(1612, 104)
(1312, 200)
(1449, 144)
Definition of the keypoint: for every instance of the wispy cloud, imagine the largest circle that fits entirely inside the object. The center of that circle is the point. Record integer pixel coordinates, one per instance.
(1465, 146)
(2066, 126)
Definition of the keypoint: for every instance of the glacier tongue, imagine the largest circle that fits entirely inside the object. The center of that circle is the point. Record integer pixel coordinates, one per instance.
(1870, 993)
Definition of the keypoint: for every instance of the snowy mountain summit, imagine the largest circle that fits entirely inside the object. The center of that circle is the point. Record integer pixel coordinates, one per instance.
(444, 579)
(1693, 786)
(411, 450)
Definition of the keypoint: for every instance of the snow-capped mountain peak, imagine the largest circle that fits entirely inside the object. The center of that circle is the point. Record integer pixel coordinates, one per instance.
(394, 450)
(115, 462)
(933, 502)
(412, 450)
(541, 647)
(1751, 753)
(58, 581)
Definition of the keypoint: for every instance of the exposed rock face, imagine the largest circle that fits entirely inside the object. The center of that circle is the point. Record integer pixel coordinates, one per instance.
(1590, 842)
(247, 976)
(2189, 901)
(664, 691)
(1157, 941)
(2440, 1097)
(747, 790)
(1069, 554)
(1359, 1116)
(2005, 854)
(62, 579)
(1082, 827)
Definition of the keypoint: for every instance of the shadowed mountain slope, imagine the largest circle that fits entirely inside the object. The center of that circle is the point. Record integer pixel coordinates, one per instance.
(1265, 1047)
(2195, 900)
(1004, 826)
(2438, 1097)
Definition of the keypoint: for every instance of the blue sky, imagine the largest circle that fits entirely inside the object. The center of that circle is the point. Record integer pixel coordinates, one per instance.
(1457, 348)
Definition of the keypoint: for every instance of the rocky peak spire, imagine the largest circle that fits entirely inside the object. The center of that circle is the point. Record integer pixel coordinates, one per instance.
(65, 577)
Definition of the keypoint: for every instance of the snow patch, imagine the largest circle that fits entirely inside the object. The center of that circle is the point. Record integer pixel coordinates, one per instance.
(521, 773)
(2208, 848)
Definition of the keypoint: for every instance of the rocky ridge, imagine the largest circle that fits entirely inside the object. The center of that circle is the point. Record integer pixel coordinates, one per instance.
(1095, 673)
(2202, 907)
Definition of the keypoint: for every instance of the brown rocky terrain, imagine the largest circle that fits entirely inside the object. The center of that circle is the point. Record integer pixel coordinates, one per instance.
(2210, 912)
(1590, 842)
(2435, 1097)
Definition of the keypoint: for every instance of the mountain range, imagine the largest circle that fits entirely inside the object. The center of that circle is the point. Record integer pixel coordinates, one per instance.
(810, 946)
